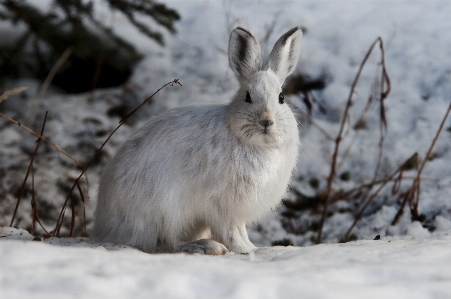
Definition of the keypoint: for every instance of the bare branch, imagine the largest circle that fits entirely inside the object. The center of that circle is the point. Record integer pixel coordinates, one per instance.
(59, 222)
(413, 194)
(28, 171)
(333, 171)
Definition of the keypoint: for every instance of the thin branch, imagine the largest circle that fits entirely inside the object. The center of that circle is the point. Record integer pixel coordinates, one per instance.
(28, 171)
(333, 171)
(83, 201)
(175, 81)
(72, 223)
(10, 92)
(315, 124)
(414, 191)
(43, 138)
(390, 178)
(357, 130)
(59, 222)
(56, 67)
(33, 203)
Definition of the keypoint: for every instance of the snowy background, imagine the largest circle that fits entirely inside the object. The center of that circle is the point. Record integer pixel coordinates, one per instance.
(337, 34)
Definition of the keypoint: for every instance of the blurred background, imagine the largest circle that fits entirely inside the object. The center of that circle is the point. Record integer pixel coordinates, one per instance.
(90, 63)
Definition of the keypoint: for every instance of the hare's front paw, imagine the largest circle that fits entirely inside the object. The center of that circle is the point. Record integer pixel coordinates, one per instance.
(237, 240)
(241, 247)
(203, 246)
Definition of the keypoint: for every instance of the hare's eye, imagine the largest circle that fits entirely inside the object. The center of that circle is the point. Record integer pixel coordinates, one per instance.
(281, 97)
(248, 97)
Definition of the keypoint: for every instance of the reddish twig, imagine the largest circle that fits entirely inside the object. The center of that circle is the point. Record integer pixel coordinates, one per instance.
(413, 195)
(83, 201)
(72, 222)
(22, 189)
(34, 213)
(395, 190)
(43, 139)
(345, 118)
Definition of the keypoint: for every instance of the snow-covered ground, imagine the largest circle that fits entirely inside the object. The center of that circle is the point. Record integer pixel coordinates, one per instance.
(69, 268)
(337, 34)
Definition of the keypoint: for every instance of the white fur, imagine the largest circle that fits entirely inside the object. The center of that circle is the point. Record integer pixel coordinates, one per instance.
(207, 171)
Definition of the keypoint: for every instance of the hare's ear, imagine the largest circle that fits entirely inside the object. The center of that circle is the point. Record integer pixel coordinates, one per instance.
(244, 53)
(284, 56)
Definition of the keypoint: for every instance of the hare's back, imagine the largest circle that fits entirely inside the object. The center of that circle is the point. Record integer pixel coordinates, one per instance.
(177, 136)
(184, 124)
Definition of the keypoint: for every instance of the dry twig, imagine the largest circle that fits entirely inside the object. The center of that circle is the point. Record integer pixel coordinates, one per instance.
(383, 183)
(60, 219)
(383, 94)
(11, 92)
(56, 67)
(22, 189)
(413, 195)
(43, 139)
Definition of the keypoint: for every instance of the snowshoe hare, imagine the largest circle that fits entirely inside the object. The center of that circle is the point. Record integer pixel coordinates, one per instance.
(192, 178)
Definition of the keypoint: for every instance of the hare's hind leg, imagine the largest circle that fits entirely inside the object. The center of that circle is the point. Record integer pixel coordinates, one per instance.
(197, 240)
(203, 246)
(234, 238)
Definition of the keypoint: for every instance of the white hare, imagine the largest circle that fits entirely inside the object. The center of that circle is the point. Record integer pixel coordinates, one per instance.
(192, 178)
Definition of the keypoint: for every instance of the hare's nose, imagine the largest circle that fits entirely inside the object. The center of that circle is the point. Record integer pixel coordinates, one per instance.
(266, 122)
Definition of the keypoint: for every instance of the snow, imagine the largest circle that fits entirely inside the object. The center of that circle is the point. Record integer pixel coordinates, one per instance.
(70, 268)
(412, 259)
